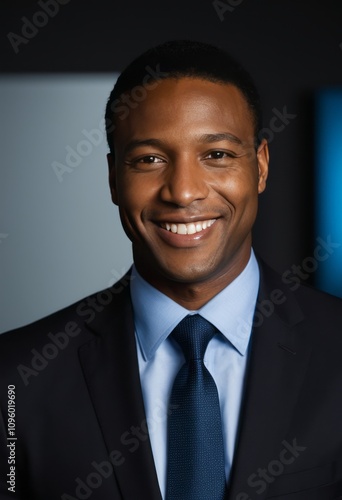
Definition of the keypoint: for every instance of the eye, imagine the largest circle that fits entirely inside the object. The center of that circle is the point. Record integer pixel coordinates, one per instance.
(145, 162)
(149, 159)
(218, 155)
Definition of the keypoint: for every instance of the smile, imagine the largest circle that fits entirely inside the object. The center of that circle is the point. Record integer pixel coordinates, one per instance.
(190, 228)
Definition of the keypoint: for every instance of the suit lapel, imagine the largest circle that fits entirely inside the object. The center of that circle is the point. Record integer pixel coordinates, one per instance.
(110, 367)
(279, 355)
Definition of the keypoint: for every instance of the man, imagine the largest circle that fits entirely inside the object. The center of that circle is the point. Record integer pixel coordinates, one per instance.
(101, 401)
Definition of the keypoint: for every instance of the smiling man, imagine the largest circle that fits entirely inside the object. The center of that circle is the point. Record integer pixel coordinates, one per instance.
(186, 176)
(201, 375)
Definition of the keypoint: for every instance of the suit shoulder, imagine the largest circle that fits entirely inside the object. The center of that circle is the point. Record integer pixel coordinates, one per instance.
(319, 308)
(52, 344)
(69, 320)
(322, 307)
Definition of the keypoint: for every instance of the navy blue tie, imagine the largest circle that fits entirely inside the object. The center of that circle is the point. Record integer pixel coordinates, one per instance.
(195, 469)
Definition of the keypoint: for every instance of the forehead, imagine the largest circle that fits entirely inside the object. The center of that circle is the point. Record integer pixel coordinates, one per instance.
(178, 106)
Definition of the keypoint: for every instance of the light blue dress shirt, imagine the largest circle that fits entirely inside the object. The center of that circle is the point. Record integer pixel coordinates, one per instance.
(155, 316)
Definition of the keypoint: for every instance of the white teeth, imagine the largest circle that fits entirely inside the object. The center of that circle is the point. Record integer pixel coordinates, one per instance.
(190, 228)
(182, 229)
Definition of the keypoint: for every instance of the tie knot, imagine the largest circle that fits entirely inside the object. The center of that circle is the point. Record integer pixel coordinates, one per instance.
(193, 334)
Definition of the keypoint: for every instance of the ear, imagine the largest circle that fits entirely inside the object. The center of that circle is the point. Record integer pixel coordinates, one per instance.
(263, 160)
(112, 177)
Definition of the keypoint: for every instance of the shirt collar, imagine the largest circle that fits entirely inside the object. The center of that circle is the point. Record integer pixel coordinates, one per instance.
(231, 311)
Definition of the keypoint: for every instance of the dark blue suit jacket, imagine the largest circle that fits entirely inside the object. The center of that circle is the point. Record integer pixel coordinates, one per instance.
(79, 415)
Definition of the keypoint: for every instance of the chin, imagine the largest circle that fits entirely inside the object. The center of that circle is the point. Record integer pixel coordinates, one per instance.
(194, 273)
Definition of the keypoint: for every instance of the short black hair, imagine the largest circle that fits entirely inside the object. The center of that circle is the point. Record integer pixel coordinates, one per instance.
(179, 59)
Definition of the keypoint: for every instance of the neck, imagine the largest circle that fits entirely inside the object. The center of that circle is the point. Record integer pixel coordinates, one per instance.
(194, 295)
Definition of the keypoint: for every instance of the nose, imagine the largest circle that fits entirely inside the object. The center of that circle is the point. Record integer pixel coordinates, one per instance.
(184, 183)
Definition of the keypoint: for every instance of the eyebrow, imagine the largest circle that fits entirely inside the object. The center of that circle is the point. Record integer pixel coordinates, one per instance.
(204, 138)
(223, 136)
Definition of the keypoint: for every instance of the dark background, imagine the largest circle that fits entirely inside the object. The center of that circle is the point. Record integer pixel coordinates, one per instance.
(292, 48)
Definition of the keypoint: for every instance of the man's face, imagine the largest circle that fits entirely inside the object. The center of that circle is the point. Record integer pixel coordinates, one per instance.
(186, 178)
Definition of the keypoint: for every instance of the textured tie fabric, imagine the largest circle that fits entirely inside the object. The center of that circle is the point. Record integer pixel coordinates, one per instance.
(196, 467)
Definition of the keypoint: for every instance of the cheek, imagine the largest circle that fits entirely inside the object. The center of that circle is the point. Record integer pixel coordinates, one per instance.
(130, 196)
(138, 192)
(134, 198)
(238, 191)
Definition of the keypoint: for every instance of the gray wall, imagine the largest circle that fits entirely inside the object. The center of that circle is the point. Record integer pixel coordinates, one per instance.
(60, 235)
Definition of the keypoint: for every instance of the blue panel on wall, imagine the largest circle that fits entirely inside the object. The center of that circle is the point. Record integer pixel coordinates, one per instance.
(329, 190)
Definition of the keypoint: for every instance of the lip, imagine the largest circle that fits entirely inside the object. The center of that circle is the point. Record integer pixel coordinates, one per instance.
(184, 240)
